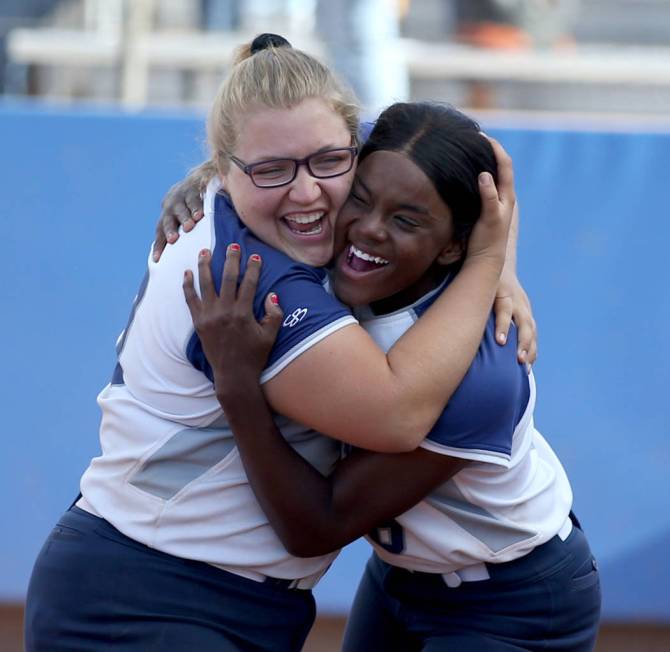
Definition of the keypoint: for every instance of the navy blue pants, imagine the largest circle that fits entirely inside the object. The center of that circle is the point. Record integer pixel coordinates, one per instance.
(94, 589)
(548, 600)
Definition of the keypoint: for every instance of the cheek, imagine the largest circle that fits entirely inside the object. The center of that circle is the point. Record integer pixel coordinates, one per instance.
(339, 191)
(254, 207)
(345, 218)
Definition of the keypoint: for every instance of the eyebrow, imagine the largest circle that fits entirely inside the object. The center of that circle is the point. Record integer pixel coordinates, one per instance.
(406, 207)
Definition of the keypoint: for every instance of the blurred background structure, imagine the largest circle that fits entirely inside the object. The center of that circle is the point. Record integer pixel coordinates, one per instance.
(102, 106)
(608, 56)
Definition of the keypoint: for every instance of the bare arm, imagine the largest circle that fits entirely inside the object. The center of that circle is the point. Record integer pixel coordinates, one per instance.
(182, 207)
(311, 514)
(346, 387)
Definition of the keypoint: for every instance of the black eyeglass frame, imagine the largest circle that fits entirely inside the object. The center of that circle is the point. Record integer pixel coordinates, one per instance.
(248, 168)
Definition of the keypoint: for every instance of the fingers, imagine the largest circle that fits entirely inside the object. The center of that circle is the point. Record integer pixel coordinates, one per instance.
(207, 289)
(489, 195)
(230, 274)
(505, 172)
(191, 296)
(193, 202)
(272, 321)
(527, 338)
(503, 311)
(247, 291)
(160, 242)
(180, 215)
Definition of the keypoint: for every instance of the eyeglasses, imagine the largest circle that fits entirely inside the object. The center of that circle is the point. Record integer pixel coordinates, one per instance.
(281, 171)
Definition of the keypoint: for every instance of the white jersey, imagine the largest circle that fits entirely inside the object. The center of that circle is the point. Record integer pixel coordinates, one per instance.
(514, 495)
(169, 474)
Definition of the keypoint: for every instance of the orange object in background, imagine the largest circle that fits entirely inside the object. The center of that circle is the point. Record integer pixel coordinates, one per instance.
(494, 35)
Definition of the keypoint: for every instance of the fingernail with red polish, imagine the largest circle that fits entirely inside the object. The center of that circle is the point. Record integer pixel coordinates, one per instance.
(234, 246)
(203, 253)
(255, 257)
(274, 298)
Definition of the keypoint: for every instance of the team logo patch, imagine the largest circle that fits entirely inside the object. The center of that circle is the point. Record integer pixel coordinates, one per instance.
(295, 317)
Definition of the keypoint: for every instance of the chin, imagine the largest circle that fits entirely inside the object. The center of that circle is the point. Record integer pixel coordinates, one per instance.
(350, 296)
(314, 258)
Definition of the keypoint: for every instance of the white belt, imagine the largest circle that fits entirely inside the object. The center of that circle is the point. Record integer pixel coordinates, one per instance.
(303, 583)
(474, 573)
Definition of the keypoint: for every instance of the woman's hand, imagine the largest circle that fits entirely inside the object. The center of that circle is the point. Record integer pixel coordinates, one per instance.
(182, 206)
(488, 241)
(235, 343)
(512, 302)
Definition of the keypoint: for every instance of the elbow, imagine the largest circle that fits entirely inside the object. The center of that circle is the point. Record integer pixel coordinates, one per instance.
(403, 432)
(307, 546)
(307, 549)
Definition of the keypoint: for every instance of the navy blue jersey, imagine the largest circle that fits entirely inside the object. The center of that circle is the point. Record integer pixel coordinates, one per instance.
(310, 311)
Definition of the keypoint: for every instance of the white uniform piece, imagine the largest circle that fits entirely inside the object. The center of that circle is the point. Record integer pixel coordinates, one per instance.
(169, 475)
(513, 497)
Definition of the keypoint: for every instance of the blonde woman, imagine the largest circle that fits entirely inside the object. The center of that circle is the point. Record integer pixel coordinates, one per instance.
(167, 547)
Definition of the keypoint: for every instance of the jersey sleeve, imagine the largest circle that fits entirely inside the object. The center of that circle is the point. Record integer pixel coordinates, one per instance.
(311, 313)
(484, 412)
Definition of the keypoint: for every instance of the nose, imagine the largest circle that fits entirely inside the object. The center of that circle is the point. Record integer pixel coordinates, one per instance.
(370, 227)
(305, 188)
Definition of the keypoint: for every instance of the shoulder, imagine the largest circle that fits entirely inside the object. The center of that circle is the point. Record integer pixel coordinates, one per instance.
(483, 413)
(228, 228)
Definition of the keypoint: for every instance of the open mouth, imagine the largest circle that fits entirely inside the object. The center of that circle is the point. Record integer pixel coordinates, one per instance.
(306, 223)
(361, 261)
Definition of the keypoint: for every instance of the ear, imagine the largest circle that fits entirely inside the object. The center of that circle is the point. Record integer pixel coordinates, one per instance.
(452, 253)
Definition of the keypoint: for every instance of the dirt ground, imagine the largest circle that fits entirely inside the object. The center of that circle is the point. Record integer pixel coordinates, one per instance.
(327, 634)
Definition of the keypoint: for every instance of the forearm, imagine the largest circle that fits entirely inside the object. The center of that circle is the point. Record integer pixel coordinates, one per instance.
(431, 358)
(389, 402)
(295, 497)
(313, 514)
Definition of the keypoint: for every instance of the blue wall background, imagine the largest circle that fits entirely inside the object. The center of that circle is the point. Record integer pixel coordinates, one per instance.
(80, 196)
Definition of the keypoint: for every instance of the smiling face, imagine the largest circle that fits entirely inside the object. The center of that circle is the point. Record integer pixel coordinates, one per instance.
(394, 235)
(297, 218)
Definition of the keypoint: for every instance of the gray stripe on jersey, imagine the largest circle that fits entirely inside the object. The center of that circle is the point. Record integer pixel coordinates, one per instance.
(183, 458)
(480, 523)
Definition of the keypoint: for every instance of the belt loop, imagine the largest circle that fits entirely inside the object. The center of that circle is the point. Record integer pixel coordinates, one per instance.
(452, 580)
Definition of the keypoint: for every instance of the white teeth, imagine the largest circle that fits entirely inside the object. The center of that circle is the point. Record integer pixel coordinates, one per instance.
(305, 219)
(371, 259)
